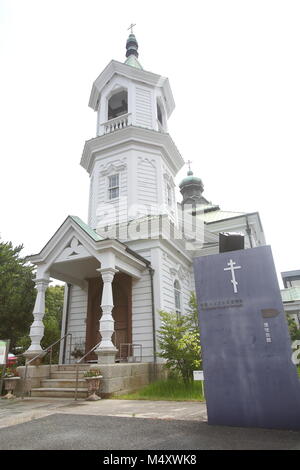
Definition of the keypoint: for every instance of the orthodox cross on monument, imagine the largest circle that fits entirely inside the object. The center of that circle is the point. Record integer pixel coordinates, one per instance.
(231, 268)
(130, 27)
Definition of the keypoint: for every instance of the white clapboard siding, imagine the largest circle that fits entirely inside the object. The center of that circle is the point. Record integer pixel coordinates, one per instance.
(77, 312)
(92, 202)
(147, 183)
(142, 315)
(143, 107)
(186, 285)
(115, 210)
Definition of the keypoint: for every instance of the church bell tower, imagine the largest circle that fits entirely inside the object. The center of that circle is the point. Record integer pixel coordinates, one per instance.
(132, 162)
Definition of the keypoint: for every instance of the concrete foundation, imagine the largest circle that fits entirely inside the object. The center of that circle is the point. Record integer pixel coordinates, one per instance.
(124, 378)
(35, 374)
(117, 379)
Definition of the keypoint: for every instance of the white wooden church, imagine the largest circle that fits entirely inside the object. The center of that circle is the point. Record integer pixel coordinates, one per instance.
(134, 255)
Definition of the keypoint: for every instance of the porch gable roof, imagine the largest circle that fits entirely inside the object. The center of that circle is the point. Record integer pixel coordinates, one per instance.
(94, 242)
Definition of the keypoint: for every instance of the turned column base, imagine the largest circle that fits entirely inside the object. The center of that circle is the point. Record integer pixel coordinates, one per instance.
(106, 356)
(31, 354)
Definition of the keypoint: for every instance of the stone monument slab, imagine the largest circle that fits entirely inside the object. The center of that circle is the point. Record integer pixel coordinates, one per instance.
(250, 379)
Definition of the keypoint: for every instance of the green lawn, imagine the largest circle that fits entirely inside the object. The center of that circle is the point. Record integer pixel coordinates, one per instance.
(169, 389)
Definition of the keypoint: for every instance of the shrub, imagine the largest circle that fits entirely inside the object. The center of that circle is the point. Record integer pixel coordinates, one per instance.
(179, 342)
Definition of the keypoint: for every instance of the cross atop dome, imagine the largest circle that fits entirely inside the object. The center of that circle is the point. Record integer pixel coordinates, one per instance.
(190, 173)
(131, 26)
(132, 49)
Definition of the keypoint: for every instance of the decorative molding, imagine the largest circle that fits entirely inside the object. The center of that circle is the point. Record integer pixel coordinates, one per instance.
(169, 179)
(181, 273)
(146, 159)
(177, 270)
(113, 167)
(73, 249)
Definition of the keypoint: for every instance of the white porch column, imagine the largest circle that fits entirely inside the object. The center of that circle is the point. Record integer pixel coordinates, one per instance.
(106, 351)
(37, 327)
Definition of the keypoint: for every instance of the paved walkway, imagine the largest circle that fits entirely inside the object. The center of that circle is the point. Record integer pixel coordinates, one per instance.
(18, 411)
(61, 423)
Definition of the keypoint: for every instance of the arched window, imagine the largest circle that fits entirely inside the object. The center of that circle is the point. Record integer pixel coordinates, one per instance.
(117, 104)
(177, 296)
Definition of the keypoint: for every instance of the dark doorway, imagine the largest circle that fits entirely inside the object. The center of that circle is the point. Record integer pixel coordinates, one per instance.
(121, 312)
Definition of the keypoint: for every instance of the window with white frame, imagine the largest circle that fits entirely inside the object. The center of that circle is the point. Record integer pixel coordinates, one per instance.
(113, 187)
(177, 296)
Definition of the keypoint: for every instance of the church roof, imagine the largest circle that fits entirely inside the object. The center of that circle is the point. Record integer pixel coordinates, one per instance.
(92, 233)
(216, 215)
(133, 62)
(132, 73)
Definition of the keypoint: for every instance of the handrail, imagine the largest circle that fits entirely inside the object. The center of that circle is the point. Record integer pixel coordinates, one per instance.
(43, 354)
(77, 367)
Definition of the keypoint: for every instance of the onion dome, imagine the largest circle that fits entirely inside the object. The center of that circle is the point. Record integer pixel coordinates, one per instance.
(132, 52)
(191, 188)
(132, 46)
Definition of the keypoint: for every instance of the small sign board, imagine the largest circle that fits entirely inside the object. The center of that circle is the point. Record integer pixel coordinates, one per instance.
(198, 374)
(4, 345)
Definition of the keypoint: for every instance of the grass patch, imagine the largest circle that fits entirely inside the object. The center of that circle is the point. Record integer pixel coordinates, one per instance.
(173, 390)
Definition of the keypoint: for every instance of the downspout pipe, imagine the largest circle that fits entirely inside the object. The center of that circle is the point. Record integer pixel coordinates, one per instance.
(151, 272)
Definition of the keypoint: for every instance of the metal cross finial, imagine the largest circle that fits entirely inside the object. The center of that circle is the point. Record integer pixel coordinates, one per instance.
(131, 26)
(189, 164)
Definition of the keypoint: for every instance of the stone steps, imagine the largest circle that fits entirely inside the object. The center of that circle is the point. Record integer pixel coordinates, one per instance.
(62, 382)
(59, 392)
(69, 367)
(61, 374)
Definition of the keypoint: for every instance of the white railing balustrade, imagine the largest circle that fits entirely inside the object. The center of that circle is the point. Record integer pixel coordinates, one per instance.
(116, 124)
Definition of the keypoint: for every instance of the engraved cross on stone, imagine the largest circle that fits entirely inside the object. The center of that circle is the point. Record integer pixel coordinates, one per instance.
(131, 26)
(231, 268)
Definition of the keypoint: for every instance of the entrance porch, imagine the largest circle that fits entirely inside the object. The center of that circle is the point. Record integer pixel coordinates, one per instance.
(101, 275)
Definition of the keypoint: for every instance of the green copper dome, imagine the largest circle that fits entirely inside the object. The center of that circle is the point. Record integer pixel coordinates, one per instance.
(191, 179)
(132, 52)
(191, 188)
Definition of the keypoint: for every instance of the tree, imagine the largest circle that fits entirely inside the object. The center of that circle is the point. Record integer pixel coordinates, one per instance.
(293, 328)
(54, 300)
(179, 341)
(53, 314)
(17, 293)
